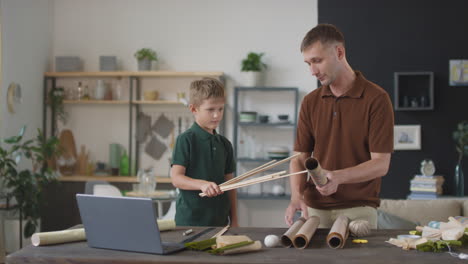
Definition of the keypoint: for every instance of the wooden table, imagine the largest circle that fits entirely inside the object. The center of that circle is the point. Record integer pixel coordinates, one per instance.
(376, 251)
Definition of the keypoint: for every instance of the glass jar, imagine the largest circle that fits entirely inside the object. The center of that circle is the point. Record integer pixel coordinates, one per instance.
(147, 181)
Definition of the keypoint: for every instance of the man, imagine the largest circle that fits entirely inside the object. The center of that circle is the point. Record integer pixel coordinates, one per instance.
(347, 125)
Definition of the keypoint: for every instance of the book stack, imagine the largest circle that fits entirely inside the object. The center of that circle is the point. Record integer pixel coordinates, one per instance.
(425, 187)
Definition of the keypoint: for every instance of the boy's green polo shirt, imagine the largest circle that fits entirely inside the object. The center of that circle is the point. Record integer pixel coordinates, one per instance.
(207, 157)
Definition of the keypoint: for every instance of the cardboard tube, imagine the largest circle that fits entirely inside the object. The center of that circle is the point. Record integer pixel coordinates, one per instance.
(303, 236)
(57, 237)
(315, 171)
(78, 234)
(338, 233)
(288, 237)
(167, 224)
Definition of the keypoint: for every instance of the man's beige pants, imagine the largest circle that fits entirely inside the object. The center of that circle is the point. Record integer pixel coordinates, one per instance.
(328, 217)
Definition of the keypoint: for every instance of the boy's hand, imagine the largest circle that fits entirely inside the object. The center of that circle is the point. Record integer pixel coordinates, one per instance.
(211, 189)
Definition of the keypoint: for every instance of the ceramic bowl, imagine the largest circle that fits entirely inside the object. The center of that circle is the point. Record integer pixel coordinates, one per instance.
(278, 152)
(248, 117)
(263, 119)
(283, 118)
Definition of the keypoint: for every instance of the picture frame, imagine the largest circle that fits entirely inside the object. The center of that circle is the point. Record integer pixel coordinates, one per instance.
(458, 72)
(407, 137)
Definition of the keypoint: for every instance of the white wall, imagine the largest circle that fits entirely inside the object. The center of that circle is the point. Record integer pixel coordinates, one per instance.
(26, 45)
(202, 35)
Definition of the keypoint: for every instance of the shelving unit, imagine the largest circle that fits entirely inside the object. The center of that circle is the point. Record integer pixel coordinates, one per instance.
(258, 128)
(130, 179)
(133, 103)
(414, 91)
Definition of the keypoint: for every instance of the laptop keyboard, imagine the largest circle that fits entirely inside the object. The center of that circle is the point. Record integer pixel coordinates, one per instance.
(167, 246)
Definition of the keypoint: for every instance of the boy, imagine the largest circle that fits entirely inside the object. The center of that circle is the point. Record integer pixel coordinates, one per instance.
(202, 160)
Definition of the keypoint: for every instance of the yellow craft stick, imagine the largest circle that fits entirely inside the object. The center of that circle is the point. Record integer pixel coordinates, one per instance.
(360, 241)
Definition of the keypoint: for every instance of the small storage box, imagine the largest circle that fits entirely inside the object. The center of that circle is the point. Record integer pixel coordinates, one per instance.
(68, 64)
(107, 63)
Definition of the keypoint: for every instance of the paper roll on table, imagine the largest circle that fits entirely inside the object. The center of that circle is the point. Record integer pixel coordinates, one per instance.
(338, 233)
(167, 224)
(57, 237)
(303, 236)
(78, 234)
(288, 237)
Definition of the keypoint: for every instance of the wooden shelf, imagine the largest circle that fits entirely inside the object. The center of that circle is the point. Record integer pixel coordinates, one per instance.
(106, 102)
(135, 74)
(157, 102)
(129, 179)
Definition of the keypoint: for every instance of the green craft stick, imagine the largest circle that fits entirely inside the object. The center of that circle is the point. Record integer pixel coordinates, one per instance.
(201, 245)
(232, 246)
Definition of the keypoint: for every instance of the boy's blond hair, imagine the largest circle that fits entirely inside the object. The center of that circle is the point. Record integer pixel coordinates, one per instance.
(204, 89)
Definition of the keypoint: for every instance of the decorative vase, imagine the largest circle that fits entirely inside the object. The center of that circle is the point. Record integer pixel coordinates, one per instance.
(459, 180)
(252, 78)
(144, 65)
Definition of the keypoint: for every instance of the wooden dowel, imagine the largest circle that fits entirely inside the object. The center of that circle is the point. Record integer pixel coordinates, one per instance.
(253, 172)
(243, 176)
(223, 188)
(265, 178)
(260, 180)
(268, 176)
(221, 232)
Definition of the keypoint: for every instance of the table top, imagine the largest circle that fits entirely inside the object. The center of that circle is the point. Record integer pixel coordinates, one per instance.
(376, 251)
(155, 195)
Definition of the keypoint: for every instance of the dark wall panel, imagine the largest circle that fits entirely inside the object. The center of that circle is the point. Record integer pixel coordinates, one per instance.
(383, 37)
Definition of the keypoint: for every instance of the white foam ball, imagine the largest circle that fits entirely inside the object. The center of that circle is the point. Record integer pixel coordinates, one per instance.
(271, 241)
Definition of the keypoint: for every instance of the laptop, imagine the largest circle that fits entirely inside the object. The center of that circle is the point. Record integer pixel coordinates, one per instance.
(123, 223)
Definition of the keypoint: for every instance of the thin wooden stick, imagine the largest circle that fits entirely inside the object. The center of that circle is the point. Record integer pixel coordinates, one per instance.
(248, 181)
(265, 178)
(261, 179)
(246, 175)
(268, 176)
(243, 176)
(221, 232)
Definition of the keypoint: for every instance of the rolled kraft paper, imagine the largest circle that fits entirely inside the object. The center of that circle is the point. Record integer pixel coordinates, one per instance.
(338, 233)
(167, 224)
(303, 236)
(57, 237)
(315, 171)
(73, 235)
(288, 237)
(223, 241)
(256, 246)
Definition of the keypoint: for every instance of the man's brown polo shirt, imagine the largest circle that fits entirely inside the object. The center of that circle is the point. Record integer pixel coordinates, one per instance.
(342, 132)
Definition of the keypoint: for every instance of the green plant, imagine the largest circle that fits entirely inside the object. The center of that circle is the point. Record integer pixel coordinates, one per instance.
(146, 53)
(460, 135)
(55, 101)
(26, 185)
(253, 62)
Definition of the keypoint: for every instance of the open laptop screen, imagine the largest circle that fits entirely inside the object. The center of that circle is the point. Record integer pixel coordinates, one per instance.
(121, 223)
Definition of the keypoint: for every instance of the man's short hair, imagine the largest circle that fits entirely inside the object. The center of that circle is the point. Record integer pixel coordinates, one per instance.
(325, 33)
(204, 89)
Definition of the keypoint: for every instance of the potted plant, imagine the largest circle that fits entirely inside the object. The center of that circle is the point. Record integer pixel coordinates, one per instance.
(145, 56)
(55, 101)
(460, 135)
(26, 185)
(252, 67)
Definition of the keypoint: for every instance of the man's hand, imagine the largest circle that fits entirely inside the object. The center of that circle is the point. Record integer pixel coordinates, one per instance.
(331, 187)
(211, 189)
(295, 205)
